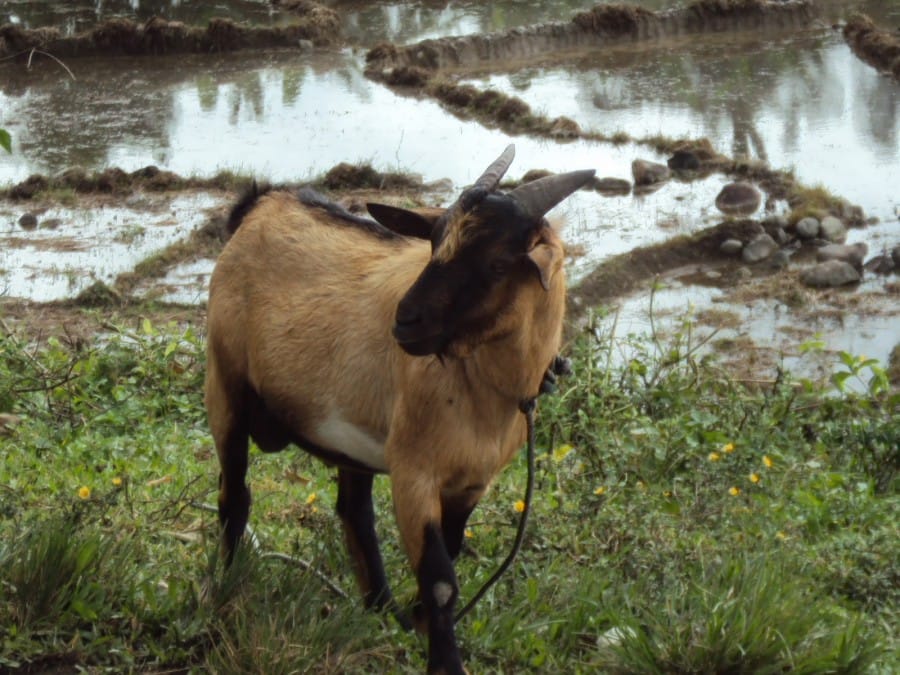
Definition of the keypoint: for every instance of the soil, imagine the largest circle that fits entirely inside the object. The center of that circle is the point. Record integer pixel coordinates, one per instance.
(314, 24)
(879, 48)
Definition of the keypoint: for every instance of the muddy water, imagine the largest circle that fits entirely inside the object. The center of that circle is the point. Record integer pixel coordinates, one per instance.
(802, 101)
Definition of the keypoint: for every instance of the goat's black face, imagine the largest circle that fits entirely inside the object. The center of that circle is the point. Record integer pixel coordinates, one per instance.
(470, 281)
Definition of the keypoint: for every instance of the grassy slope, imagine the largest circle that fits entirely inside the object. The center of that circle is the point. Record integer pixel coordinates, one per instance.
(683, 522)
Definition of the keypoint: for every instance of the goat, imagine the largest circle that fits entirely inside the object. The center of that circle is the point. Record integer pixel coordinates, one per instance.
(364, 345)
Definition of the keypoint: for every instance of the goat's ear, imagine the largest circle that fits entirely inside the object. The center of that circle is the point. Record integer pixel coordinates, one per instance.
(546, 260)
(401, 221)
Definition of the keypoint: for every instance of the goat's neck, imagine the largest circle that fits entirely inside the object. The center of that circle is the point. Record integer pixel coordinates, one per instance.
(512, 366)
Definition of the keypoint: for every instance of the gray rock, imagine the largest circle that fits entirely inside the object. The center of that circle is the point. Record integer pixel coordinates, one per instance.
(731, 246)
(775, 222)
(808, 228)
(612, 185)
(28, 221)
(830, 274)
(683, 160)
(832, 229)
(648, 173)
(881, 264)
(738, 198)
(780, 259)
(849, 253)
(760, 248)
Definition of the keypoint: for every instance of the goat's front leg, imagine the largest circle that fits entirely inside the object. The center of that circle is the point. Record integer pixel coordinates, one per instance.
(354, 506)
(417, 502)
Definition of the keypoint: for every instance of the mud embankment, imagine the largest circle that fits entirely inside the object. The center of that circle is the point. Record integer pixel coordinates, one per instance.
(602, 26)
(879, 48)
(314, 24)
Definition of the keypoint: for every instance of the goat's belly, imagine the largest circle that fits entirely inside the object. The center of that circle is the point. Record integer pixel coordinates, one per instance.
(337, 434)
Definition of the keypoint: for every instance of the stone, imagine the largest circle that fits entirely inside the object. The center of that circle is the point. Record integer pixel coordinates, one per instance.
(760, 248)
(683, 160)
(739, 198)
(612, 185)
(564, 127)
(881, 264)
(731, 246)
(780, 259)
(808, 228)
(775, 222)
(832, 229)
(830, 274)
(648, 173)
(849, 253)
(28, 221)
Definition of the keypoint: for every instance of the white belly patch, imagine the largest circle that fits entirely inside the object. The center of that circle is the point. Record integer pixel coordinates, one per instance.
(337, 434)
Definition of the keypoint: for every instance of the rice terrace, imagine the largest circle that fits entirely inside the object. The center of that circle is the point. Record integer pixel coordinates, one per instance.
(322, 222)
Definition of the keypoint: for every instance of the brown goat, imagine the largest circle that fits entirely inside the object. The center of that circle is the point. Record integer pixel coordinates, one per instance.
(365, 346)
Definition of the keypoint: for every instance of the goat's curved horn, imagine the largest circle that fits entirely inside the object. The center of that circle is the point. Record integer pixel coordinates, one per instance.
(490, 179)
(487, 182)
(539, 196)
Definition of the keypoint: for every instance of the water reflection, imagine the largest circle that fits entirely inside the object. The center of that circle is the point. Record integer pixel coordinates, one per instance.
(804, 102)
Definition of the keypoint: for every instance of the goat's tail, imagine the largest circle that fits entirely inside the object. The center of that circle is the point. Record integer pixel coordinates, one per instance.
(244, 205)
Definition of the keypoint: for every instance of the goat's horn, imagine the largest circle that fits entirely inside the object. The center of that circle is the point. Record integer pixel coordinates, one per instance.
(490, 179)
(541, 195)
(487, 182)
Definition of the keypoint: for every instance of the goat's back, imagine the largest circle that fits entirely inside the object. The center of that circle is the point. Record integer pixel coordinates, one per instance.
(300, 310)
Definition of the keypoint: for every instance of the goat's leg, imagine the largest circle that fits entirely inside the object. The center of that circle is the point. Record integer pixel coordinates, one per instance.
(454, 515)
(354, 506)
(417, 504)
(234, 495)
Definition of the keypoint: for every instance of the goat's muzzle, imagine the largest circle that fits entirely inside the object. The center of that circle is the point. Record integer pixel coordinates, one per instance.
(414, 334)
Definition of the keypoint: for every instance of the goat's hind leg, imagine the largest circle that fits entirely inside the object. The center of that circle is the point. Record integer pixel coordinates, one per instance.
(231, 436)
(354, 506)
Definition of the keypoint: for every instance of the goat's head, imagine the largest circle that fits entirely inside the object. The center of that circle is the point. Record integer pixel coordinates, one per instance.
(484, 247)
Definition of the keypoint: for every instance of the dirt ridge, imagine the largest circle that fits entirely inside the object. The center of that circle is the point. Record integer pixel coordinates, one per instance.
(317, 24)
(879, 48)
(603, 25)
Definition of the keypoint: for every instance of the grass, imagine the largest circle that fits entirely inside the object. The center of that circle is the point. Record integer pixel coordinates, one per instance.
(683, 522)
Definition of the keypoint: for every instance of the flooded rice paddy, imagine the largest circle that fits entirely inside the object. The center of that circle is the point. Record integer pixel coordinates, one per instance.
(797, 100)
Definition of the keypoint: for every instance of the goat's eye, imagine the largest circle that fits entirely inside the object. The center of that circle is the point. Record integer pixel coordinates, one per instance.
(498, 268)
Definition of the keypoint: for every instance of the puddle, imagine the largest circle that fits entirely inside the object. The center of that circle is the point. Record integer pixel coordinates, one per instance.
(89, 245)
(803, 102)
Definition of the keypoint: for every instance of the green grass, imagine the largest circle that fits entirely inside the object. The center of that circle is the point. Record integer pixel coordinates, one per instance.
(683, 523)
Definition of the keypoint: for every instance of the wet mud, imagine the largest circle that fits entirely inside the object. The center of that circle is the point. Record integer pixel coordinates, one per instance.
(877, 47)
(314, 25)
(602, 26)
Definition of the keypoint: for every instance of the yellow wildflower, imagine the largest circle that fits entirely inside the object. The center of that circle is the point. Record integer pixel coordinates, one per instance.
(117, 481)
(667, 494)
(734, 491)
(768, 461)
(84, 492)
(468, 533)
(600, 490)
(519, 506)
(312, 497)
(728, 447)
(781, 535)
(560, 453)
(714, 457)
(754, 477)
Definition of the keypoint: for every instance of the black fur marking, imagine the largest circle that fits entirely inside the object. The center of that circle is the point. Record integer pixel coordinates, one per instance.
(310, 197)
(244, 205)
(435, 568)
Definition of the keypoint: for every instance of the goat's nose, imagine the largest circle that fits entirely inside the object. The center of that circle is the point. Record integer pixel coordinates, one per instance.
(408, 314)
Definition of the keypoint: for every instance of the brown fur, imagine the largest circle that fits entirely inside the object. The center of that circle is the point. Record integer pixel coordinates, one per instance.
(301, 311)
